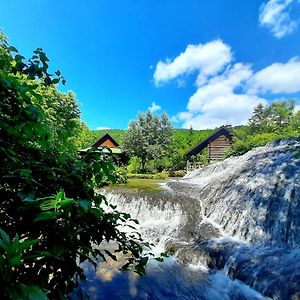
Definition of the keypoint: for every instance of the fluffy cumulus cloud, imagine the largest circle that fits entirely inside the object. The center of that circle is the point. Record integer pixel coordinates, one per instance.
(229, 93)
(277, 78)
(207, 59)
(275, 15)
(102, 128)
(154, 107)
(217, 102)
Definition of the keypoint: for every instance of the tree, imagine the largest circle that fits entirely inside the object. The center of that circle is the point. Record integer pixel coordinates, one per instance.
(274, 117)
(51, 219)
(258, 118)
(279, 114)
(277, 120)
(148, 138)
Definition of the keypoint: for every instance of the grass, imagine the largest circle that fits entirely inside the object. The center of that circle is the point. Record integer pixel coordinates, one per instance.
(142, 185)
(161, 175)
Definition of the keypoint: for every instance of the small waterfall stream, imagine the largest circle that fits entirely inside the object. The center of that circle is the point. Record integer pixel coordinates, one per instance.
(234, 229)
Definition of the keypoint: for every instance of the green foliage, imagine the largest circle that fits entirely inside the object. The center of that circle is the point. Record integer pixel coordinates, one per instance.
(134, 165)
(148, 138)
(277, 120)
(50, 217)
(117, 134)
(160, 175)
(182, 141)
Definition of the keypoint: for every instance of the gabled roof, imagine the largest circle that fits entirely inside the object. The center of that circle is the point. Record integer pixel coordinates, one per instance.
(223, 130)
(107, 136)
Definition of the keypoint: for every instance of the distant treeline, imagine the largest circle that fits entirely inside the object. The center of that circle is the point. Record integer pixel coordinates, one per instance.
(267, 123)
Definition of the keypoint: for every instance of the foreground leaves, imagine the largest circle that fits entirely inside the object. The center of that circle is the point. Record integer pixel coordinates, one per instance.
(51, 220)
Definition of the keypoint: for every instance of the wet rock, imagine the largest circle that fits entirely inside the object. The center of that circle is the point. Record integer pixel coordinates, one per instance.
(273, 271)
(254, 197)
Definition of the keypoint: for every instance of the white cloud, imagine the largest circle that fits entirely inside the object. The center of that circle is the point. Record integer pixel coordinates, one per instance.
(217, 103)
(154, 107)
(277, 78)
(207, 59)
(226, 92)
(275, 15)
(234, 109)
(102, 128)
(219, 86)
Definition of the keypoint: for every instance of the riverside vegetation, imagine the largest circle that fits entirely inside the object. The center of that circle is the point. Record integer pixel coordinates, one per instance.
(162, 148)
(50, 217)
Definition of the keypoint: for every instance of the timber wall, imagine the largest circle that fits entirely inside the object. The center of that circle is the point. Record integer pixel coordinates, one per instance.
(218, 147)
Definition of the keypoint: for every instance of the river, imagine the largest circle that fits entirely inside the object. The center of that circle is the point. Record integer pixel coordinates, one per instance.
(232, 227)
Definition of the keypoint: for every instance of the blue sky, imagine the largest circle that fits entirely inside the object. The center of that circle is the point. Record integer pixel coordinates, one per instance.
(204, 62)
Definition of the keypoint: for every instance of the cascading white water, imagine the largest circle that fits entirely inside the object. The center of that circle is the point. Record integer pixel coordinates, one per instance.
(254, 197)
(167, 219)
(159, 222)
(221, 217)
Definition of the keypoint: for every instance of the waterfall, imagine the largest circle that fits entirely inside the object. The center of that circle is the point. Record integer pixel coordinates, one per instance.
(163, 217)
(238, 220)
(254, 197)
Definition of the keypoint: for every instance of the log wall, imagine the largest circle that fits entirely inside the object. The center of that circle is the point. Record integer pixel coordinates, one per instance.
(218, 147)
(108, 143)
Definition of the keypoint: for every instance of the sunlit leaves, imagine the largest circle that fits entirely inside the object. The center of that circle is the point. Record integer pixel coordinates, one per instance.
(51, 218)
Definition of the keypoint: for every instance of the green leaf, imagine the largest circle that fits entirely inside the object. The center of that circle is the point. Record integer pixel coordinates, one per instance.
(32, 292)
(97, 212)
(3, 245)
(55, 81)
(5, 237)
(46, 215)
(67, 202)
(12, 49)
(85, 204)
(27, 244)
(60, 195)
(58, 250)
(19, 57)
(16, 261)
(48, 205)
(25, 173)
(160, 259)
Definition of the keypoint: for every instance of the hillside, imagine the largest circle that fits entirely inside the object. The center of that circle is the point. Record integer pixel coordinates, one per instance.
(191, 137)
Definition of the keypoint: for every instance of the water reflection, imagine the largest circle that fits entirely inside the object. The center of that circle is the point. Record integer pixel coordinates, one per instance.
(168, 280)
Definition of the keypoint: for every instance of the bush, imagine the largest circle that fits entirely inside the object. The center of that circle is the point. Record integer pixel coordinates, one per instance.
(50, 217)
(161, 175)
(242, 146)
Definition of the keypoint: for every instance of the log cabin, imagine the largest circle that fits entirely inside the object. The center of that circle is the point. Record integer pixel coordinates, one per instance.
(107, 145)
(217, 144)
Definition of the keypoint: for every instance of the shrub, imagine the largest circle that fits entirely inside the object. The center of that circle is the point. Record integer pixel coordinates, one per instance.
(50, 216)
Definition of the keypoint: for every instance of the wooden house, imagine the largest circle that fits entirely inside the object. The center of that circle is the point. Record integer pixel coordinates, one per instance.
(107, 145)
(217, 144)
(106, 141)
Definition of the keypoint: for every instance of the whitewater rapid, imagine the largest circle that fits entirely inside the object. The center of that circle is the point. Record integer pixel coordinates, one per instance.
(233, 228)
